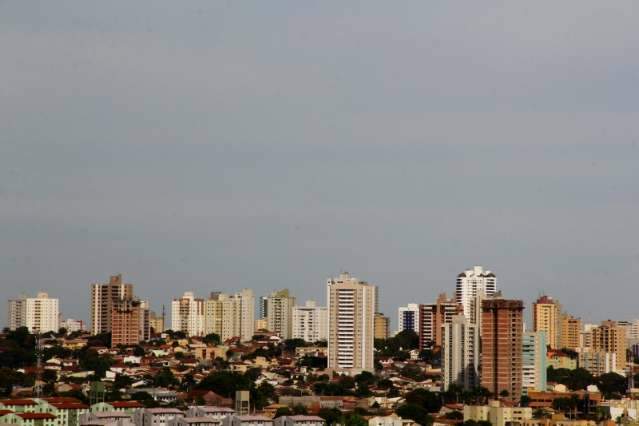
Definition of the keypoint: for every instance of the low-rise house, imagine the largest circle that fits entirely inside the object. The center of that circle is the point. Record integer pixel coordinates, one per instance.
(390, 420)
(497, 414)
(156, 416)
(207, 411)
(248, 420)
(195, 421)
(300, 420)
(106, 418)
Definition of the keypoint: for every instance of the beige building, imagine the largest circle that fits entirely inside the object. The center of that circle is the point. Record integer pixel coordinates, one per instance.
(382, 326)
(279, 313)
(460, 353)
(187, 314)
(103, 297)
(39, 314)
(610, 337)
(547, 317)
(230, 315)
(351, 313)
(496, 414)
(129, 323)
(570, 331)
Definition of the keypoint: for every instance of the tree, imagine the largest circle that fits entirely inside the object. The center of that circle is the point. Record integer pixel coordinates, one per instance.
(165, 378)
(262, 395)
(139, 351)
(414, 412)
(299, 409)
(331, 416)
(354, 420)
(225, 383)
(524, 401)
(413, 371)
(90, 360)
(283, 411)
(612, 385)
(291, 344)
(10, 378)
(212, 339)
(430, 401)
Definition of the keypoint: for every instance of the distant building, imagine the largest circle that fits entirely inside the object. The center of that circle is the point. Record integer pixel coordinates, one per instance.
(534, 361)
(351, 312)
(279, 317)
(72, 325)
(242, 402)
(156, 322)
(433, 316)
(103, 297)
(610, 337)
(408, 318)
(470, 284)
(460, 353)
(39, 314)
(310, 322)
(129, 323)
(382, 326)
(187, 314)
(547, 318)
(598, 362)
(230, 315)
(497, 414)
(501, 342)
(570, 331)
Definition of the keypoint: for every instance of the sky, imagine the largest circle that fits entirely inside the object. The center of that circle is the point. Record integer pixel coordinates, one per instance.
(205, 146)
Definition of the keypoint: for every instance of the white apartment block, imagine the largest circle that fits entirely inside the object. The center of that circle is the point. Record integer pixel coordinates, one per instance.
(187, 315)
(351, 311)
(310, 322)
(39, 314)
(408, 318)
(460, 353)
(472, 283)
(279, 313)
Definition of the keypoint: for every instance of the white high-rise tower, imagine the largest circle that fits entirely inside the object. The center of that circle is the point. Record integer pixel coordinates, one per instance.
(472, 283)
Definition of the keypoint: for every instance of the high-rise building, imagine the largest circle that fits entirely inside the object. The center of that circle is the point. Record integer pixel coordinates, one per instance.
(71, 325)
(279, 308)
(598, 362)
(547, 317)
(156, 322)
(263, 307)
(187, 314)
(351, 313)
(39, 314)
(570, 331)
(381, 327)
(433, 316)
(408, 318)
(129, 322)
(460, 353)
(610, 337)
(501, 343)
(534, 361)
(310, 322)
(470, 284)
(230, 315)
(103, 297)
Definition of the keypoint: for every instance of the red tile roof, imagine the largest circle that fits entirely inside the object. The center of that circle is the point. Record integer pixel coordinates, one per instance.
(36, 416)
(126, 404)
(18, 402)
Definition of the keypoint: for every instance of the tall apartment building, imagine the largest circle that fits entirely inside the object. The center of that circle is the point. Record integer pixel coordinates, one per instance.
(156, 322)
(382, 326)
(547, 318)
(433, 316)
(632, 330)
(351, 312)
(39, 314)
(501, 342)
(408, 318)
(103, 297)
(310, 322)
(187, 314)
(230, 315)
(279, 308)
(570, 331)
(534, 361)
(129, 322)
(471, 284)
(460, 353)
(598, 362)
(263, 307)
(610, 337)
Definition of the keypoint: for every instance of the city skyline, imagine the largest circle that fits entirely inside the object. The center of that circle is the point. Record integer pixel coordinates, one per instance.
(179, 143)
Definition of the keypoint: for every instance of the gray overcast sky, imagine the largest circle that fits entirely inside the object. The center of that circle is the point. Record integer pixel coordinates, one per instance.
(215, 145)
